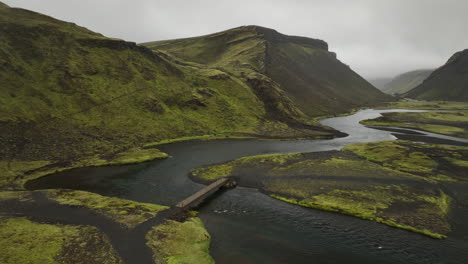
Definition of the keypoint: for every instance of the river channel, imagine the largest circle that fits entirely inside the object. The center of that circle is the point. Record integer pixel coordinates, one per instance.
(249, 227)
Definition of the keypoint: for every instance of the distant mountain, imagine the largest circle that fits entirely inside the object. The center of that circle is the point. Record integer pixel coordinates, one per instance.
(406, 81)
(449, 82)
(379, 83)
(68, 92)
(288, 73)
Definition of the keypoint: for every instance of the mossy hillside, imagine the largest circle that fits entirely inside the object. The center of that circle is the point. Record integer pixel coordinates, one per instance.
(176, 243)
(70, 95)
(434, 162)
(23, 241)
(229, 49)
(447, 83)
(446, 123)
(293, 74)
(127, 212)
(343, 182)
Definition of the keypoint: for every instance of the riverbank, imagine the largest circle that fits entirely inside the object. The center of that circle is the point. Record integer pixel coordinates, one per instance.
(423, 105)
(446, 123)
(354, 184)
(68, 226)
(14, 173)
(139, 183)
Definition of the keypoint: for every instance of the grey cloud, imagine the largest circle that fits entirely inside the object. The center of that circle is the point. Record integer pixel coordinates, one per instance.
(376, 38)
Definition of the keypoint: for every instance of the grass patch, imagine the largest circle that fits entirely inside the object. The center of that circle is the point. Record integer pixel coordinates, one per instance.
(127, 212)
(428, 161)
(446, 123)
(392, 182)
(20, 196)
(370, 204)
(13, 174)
(23, 241)
(177, 243)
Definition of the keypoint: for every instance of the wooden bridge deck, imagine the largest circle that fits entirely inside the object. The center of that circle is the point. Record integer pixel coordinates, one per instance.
(196, 196)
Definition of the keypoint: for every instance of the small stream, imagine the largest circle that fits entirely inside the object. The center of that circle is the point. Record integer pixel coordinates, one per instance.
(249, 227)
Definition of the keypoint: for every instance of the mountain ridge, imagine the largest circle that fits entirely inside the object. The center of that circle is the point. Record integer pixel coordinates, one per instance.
(449, 82)
(298, 66)
(71, 94)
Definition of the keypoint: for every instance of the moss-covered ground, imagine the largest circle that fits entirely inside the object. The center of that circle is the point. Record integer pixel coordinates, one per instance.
(126, 212)
(397, 183)
(14, 173)
(27, 241)
(447, 123)
(23, 241)
(433, 162)
(177, 243)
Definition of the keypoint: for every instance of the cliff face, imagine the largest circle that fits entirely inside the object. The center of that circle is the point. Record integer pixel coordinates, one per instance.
(449, 82)
(302, 69)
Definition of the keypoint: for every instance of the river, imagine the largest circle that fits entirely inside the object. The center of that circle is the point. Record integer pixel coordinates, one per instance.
(249, 227)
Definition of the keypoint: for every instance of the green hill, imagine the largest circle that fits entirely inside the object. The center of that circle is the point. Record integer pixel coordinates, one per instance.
(448, 83)
(406, 81)
(69, 93)
(379, 83)
(278, 66)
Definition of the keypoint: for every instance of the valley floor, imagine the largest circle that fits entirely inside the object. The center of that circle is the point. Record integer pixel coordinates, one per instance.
(399, 183)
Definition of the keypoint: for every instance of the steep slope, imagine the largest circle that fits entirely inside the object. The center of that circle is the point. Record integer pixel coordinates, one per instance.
(449, 82)
(68, 92)
(379, 83)
(406, 81)
(293, 72)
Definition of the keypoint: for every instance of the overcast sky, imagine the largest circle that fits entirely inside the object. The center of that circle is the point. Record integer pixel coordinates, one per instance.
(377, 38)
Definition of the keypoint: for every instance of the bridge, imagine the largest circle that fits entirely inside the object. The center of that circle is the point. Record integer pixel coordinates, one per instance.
(203, 192)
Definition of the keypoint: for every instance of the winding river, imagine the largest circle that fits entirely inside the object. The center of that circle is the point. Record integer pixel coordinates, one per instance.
(249, 227)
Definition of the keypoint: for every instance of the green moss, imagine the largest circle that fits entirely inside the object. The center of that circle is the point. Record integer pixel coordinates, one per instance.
(458, 162)
(135, 155)
(177, 243)
(20, 196)
(343, 182)
(16, 173)
(423, 160)
(371, 204)
(296, 164)
(415, 162)
(213, 172)
(126, 212)
(192, 138)
(23, 241)
(446, 123)
(11, 170)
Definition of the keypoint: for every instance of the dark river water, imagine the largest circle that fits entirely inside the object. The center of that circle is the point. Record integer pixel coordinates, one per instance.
(249, 227)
